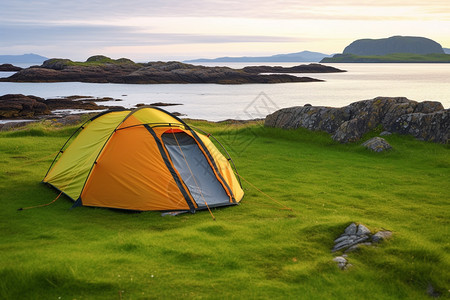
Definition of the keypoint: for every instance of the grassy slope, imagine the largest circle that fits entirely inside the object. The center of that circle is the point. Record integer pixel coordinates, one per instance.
(391, 58)
(254, 250)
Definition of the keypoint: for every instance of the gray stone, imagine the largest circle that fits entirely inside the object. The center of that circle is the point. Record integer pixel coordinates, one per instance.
(348, 243)
(361, 239)
(381, 235)
(342, 245)
(385, 133)
(341, 238)
(340, 259)
(429, 127)
(362, 230)
(351, 229)
(342, 262)
(377, 144)
(357, 247)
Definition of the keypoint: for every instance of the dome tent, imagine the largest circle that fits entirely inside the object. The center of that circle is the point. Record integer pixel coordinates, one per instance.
(143, 159)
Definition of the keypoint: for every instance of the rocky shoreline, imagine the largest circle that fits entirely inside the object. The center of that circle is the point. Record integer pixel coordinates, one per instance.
(102, 69)
(24, 109)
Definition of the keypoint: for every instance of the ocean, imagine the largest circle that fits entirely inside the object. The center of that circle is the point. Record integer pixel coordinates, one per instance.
(216, 102)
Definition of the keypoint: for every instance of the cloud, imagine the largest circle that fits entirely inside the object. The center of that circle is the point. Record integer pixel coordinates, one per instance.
(45, 10)
(118, 36)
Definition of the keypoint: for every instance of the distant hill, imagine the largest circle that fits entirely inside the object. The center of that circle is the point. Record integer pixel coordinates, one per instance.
(394, 44)
(390, 58)
(446, 50)
(304, 56)
(22, 59)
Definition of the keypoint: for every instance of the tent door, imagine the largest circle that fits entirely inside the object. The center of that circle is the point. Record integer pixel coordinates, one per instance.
(195, 170)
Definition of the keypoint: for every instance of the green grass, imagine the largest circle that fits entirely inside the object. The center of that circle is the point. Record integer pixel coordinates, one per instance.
(256, 250)
(97, 60)
(390, 58)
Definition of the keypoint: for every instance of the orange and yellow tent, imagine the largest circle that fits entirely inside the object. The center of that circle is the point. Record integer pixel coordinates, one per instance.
(143, 159)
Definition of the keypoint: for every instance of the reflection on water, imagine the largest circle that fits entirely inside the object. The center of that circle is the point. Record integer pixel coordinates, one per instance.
(218, 102)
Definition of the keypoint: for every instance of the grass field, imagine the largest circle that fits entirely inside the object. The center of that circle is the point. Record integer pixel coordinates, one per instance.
(256, 250)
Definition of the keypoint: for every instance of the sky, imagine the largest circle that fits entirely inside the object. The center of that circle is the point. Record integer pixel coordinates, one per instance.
(147, 30)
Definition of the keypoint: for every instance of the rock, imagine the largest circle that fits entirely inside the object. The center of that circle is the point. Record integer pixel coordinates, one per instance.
(356, 235)
(351, 229)
(426, 120)
(341, 238)
(356, 247)
(164, 104)
(385, 133)
(362, 230)
(101, 69)
(21, 106)
(9, 68)
(68, 103)
(342, 245)
(342, 262)
(14, 125)
(381, 235)
(67, 120)
(311, 68)
(424, 126)
(353, 235)
(431, 291)
(340, 259)
(18, 106)
(377, 144)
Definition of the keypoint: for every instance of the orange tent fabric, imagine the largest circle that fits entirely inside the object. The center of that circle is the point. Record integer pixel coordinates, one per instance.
(144, 159)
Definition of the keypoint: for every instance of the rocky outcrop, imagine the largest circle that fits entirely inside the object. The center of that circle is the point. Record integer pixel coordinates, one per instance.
(354, 237)
(101, 69)
(424, 126)
(20, 106)
(426, 120)
(311, 68)
(176, 72)
(9, 68)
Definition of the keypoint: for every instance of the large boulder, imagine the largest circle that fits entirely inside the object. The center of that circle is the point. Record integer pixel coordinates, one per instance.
(426, 120)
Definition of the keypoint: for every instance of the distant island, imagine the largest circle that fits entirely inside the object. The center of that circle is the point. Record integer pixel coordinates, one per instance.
(389, 58)
(396, 49)
(9, 68)
(102, 69)
(304, 56)
(22, 59)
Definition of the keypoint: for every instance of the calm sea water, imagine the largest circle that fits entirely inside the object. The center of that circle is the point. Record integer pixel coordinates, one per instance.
(219, 102)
